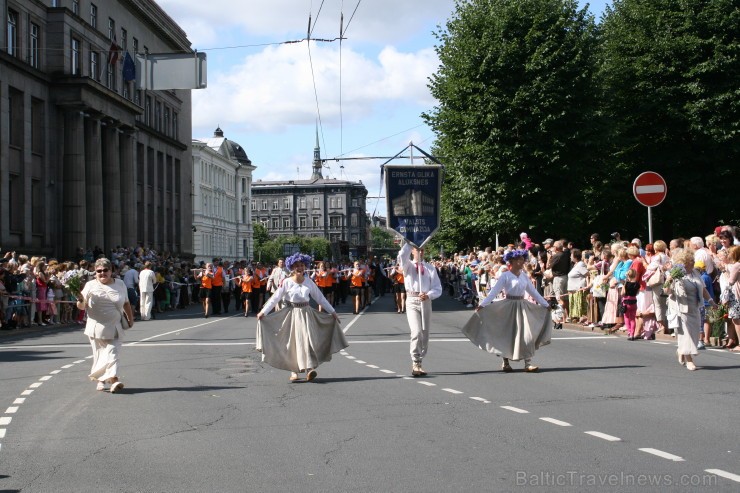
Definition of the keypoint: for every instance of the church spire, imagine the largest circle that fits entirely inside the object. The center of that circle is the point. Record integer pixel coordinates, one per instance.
(316, 175)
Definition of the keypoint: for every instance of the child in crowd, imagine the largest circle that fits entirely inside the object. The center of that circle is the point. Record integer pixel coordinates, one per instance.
(629, 301)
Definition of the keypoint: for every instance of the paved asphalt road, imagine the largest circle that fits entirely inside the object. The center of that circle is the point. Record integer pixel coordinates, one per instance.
(201, 413)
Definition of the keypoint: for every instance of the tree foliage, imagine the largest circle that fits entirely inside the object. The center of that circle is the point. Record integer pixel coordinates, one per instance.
(515, 121)
(544, 119)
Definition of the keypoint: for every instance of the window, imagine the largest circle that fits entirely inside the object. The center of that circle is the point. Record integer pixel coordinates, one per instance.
(75, 57)
(254, 205)
(166, 121)
(175, 129)
(353, 219)
(302, 222)
(244, 186)
(148, 111)
(158, 115)
(286, 223)
(275, 204)
(37, 126)
(111, 29)
(339, 202)
(76, 7)
(315, 221)
(264, 222)
(37, 207)
(355, 239)
(94, 64)
(244, 214)
(275, 223)
(33, 45)
(124, 40)
(286, 203)
(16, 208)
(354, 203)
(315, 202)
(264, 204)
(12, 32)
(111, 79)
(302, 202)
(93, 16)
(15, 117)
(335, 222)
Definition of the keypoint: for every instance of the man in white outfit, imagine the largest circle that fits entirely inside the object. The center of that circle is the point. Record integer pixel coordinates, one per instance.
(422, 286)
(146, 290)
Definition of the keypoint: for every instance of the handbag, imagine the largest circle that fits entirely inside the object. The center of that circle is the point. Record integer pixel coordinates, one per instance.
(655, 279)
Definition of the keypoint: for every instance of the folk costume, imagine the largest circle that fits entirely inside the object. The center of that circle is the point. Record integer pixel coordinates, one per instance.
(512, 327)
(298, 338)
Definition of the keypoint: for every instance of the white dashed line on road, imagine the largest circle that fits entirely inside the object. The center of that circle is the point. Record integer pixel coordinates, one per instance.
(556, 421)
(11, 410)
(515, 409)
(662, 454)
(350, 357)
(428, 384)
(373, 367)
(19, 400)
(67, 366)
(452, 391)
(27, 392)
(360, 361)
(45, 378)
(36, 385)
(603, 436)
(79, 361)
(724, 474)
(2, 432)
(481, 399)
(55, 372)
(388, 371)
(5, 420)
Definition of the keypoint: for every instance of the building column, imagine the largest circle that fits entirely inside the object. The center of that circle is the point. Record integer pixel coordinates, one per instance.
(94, 183)
(128, 189)
(74, 233)
(112, 185)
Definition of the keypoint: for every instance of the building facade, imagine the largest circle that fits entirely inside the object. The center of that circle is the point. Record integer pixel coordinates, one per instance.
(222, 181)
(86, 159)
(319, 207)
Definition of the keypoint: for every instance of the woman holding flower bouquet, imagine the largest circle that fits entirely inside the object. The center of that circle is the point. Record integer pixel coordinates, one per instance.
(687, 291)
(108, 309)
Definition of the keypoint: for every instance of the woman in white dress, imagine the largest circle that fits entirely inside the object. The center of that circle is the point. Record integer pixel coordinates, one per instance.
(512, 327)
(298, 338)
(688, 293)
(108, 309)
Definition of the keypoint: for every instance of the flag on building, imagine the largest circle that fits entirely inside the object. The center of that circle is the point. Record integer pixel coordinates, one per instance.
(129, 68)
(113, 52)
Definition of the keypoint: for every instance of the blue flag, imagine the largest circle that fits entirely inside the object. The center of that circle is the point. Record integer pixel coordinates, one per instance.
(129, 68)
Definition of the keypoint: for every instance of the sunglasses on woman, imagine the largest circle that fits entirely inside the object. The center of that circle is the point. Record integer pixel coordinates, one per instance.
(100, 271)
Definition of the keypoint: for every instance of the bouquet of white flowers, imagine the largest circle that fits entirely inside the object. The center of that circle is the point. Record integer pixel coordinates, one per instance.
(73, 280)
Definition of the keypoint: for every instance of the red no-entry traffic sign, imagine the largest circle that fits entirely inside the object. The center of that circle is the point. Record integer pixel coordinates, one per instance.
(650, 189)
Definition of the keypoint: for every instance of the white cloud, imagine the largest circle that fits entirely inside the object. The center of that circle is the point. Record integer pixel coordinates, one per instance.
(273, 89)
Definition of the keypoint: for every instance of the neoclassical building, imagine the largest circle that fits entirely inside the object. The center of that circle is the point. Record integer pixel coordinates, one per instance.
(319, 207)
(222, 181)
(85, 158)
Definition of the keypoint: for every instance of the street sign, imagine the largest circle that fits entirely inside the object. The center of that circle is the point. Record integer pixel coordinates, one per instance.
(413, 195)
(650, 189)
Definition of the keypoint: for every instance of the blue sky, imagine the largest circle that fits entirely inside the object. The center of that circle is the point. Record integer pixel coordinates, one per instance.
(264, 95)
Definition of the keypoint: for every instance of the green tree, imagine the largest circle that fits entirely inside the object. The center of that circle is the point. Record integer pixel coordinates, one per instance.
(381, 238)
(671, 91)
(516, 121)
(259, 235)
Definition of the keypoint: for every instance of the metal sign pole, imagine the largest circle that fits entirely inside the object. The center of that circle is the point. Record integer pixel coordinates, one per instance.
(650, 224)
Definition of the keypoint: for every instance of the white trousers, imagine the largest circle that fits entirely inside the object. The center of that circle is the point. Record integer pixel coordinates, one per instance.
(105, 358)
(146, 304)
(419, 315)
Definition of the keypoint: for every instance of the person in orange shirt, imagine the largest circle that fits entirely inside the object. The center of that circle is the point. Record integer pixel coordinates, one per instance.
(322, 278)
(255, 295)
(357, 285)
(246, 284)
(217, 287)
(206, 286)
(399, 288)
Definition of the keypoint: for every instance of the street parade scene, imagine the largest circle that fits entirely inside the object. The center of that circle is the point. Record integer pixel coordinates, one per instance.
(539, 292)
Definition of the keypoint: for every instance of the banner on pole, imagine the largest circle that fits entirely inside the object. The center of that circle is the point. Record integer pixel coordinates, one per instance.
(413, 195)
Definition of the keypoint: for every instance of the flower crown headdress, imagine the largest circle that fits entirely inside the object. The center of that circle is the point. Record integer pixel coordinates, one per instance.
(298, 257)
(509, 256)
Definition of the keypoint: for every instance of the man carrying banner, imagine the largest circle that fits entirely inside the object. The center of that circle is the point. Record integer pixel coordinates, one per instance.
(422, 286)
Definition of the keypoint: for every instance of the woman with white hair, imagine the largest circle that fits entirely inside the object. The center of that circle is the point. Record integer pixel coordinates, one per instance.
(298, 338)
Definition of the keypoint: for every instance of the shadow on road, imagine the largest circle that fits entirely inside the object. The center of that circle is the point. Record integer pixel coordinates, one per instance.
(200, 388)
(348, 379)
(15, 356)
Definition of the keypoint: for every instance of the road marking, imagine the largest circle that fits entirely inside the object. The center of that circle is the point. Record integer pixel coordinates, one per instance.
(391, 372)
(19, 400)
(452, 391)
(556, 421)
(373, 367)
(5, 420)
(662, 454)
(2, 432)
(45, 378)
(79, 361)
(350, 357)
(661, 343)
(719, 351)
(67, 366)
(724, 474)
(55, 372)
(176, 331)
(36, 385)
(604, 436)
(579, 338)
(515, 409)
(360, 362)
(357, 317)
(11, 410)
(407, 378)
(481, 399)
(27, 392)
(428, 384)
